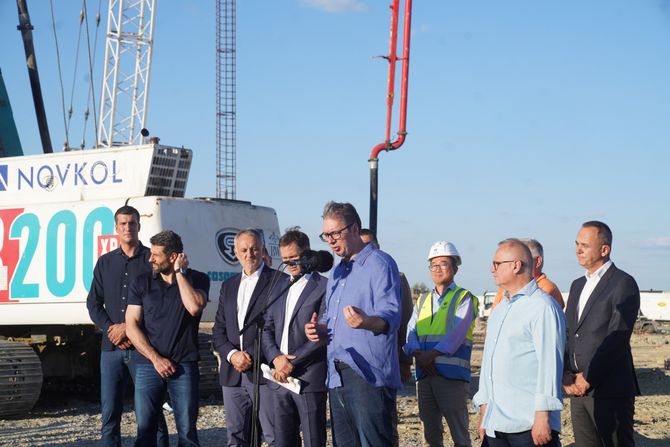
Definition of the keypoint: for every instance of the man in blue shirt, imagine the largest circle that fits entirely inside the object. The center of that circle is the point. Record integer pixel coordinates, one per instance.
(107, 301)
(520, 395)
(164, 309)
(361, 320)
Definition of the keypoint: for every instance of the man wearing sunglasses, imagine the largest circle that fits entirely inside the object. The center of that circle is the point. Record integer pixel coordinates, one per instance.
(360, 322)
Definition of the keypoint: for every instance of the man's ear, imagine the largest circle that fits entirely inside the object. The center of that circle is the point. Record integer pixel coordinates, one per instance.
(605, 250)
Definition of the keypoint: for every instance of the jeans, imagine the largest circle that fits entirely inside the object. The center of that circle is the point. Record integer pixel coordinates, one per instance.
(115, 368)
(521, 439)
(150, 388)
(361, 414)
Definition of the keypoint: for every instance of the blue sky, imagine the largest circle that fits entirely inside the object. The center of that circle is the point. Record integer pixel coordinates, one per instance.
(525, 118)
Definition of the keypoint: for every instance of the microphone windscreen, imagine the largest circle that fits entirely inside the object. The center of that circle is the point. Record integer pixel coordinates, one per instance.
(325, 261)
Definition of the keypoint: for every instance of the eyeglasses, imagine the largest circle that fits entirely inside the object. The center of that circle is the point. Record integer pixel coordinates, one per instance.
(334, 235)
(436, 267)
(496, 264)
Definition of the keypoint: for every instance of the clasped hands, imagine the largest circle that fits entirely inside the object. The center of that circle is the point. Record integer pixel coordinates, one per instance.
(575, 384)
(117, 335)
(426, 360)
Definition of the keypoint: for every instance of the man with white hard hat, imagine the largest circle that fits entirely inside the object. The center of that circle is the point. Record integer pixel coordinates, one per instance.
(439, 337)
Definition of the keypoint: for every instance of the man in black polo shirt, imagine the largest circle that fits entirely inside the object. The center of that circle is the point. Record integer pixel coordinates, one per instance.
(164, 309)
(107, 301)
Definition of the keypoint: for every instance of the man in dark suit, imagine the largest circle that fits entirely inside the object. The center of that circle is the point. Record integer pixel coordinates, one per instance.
(293, 355)
(241, 297)
(599, 371)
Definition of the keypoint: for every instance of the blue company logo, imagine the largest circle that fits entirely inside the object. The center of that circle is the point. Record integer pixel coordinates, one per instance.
(68, 174)
(225, 244)
(3, 178)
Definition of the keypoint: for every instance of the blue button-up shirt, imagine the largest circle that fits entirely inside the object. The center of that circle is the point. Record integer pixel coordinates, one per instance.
(113, 275)
(522, 367)
(371, 282)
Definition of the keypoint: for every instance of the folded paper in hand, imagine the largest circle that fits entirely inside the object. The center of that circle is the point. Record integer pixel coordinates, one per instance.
(292, 383)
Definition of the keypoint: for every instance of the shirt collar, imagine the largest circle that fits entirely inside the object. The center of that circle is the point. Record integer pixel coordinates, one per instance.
(526, 290)
(360, 257)
(305, 277)
(598, 273)
(451, 286)
(139, 250)
(255, 274)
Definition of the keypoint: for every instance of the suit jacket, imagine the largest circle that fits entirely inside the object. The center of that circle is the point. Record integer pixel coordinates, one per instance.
(310, 362)
(225, 333)
(599, 342)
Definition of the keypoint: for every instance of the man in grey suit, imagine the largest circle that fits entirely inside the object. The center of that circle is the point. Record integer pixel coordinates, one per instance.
(293, 355)
(599, 371)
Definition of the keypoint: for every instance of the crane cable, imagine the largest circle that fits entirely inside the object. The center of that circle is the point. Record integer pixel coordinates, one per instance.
(60, 74)
(91, 60)
(76, 69)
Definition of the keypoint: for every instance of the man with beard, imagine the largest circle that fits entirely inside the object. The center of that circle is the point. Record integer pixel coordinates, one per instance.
(164, 309)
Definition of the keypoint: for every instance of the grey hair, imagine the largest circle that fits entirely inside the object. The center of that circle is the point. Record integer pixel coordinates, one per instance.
(344, 211)
(253, 232)
(534, 246)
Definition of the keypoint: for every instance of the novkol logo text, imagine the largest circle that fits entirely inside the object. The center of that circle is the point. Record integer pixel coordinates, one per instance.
(48, 176)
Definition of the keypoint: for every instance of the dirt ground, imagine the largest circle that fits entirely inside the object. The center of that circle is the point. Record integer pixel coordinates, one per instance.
(74, 420)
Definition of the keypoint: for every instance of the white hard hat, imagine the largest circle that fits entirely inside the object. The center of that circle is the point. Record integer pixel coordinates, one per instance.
(444, 248)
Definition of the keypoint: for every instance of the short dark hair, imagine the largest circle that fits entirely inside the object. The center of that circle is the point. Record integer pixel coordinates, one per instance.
(344, 211)
(373, 236)
(294, 235)
(604, 232)
(128, 210)
(169, 240)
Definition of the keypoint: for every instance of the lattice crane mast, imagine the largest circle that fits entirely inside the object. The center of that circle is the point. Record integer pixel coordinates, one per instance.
(125, 85)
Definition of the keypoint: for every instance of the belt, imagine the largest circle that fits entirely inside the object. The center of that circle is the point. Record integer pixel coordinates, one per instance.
(339, 366)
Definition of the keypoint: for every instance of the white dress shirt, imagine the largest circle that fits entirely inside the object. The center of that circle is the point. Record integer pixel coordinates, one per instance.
(293, 294)
(592, 280)
(244, 292)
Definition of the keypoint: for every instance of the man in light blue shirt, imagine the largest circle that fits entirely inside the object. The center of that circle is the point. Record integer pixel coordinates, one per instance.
(361, 316)
(520, 395)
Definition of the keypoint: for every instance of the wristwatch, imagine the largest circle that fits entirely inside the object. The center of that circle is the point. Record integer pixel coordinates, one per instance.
(181, 270)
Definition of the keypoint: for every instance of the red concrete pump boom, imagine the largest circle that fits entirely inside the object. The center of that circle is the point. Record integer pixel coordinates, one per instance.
(389, 145)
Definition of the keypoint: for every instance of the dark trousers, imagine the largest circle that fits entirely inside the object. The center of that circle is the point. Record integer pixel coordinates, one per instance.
(361, 414)
(521, 439)
(295, 411)
(602, 422)
(238, 403)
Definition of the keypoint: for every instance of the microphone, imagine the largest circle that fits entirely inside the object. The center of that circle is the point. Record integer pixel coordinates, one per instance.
(314, 261)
